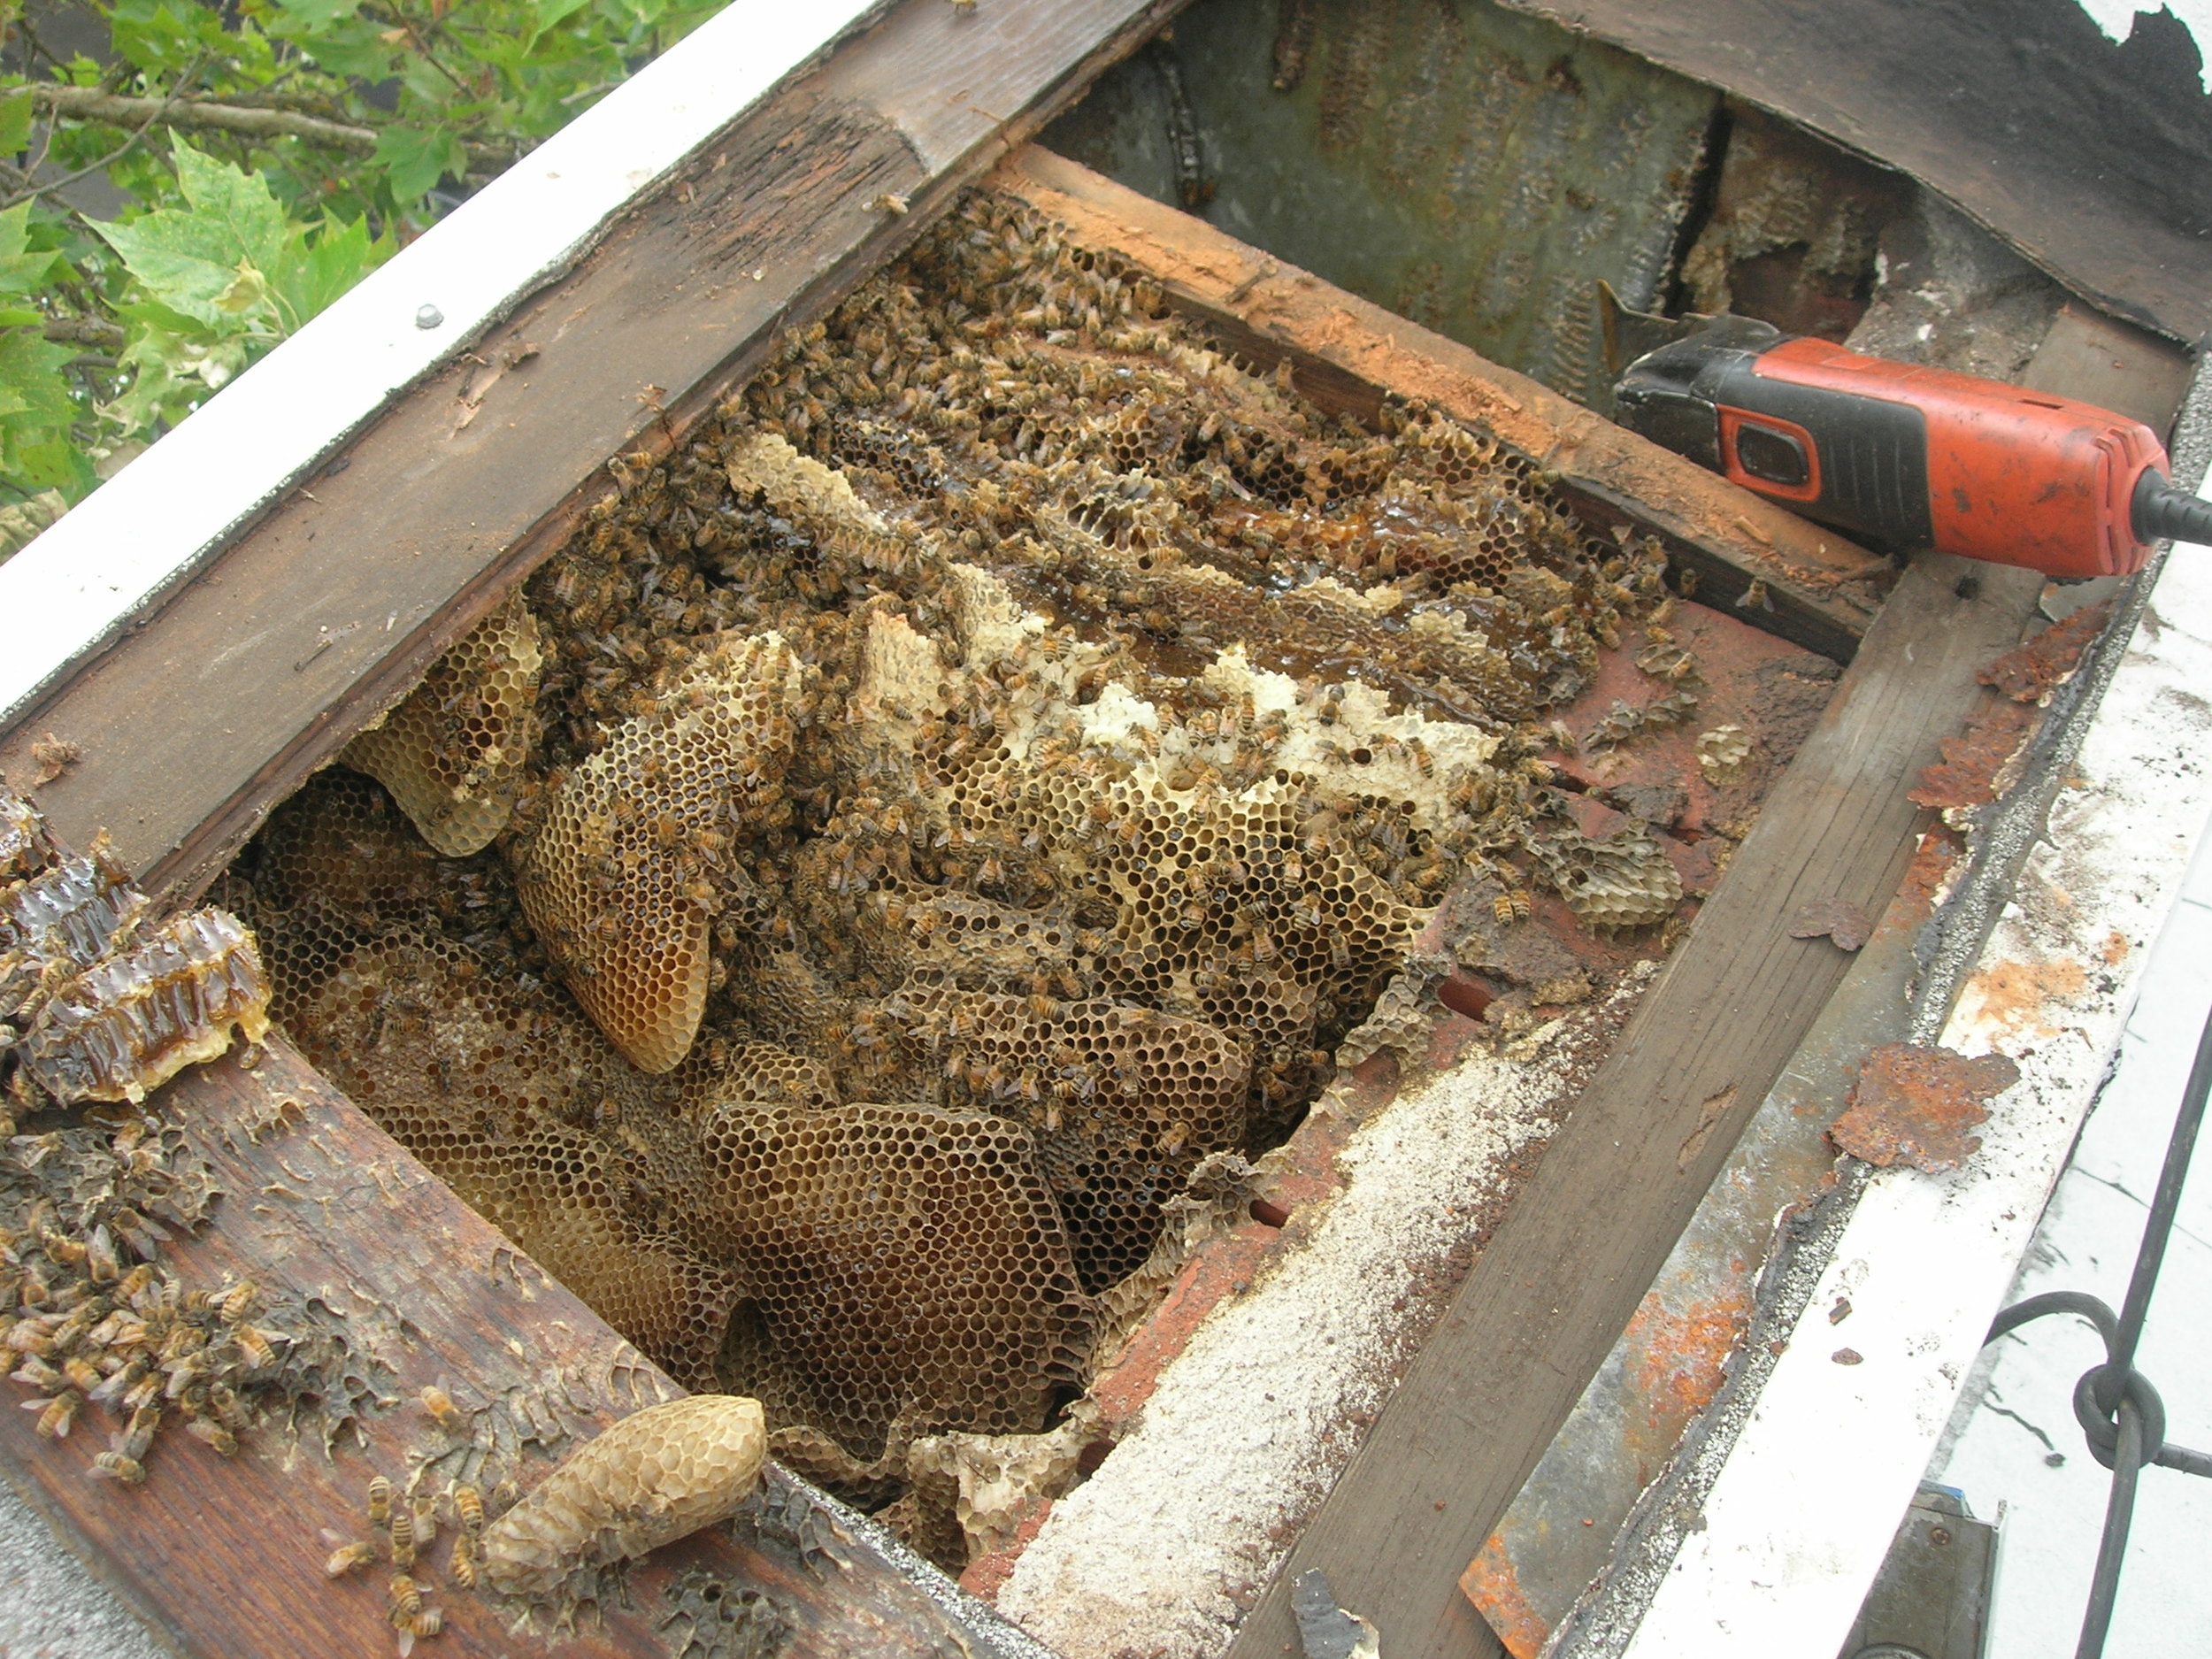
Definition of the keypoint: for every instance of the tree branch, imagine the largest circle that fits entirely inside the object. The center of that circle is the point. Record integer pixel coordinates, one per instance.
(89, 104)
(85, 331)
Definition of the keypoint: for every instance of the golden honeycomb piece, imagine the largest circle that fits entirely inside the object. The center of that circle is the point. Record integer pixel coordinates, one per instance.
(452, 753)
(621, 878)
(657, 1476)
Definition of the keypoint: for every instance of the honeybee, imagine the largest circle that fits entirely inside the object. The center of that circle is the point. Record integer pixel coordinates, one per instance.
(442, 1411)
(468, 1504)
(348, 1558)
(115, 1466)
(138, 1433)
(380, 1501)
(100, 1258)
(461, 1565)
(56, 1414)
(406, 1599)
(238, 1302)
(401, 1528)
(253, 1345)
(223, 1443)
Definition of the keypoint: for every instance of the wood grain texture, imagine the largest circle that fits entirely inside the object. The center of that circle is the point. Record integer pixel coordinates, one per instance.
(1620, 1181)
(224, 1557)
(329, 609)
(1344, 351)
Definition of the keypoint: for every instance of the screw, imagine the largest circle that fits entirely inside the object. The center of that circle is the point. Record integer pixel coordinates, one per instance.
(1938, 1535)
(428, 317)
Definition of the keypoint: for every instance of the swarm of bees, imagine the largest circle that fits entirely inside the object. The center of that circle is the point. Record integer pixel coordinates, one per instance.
(985, 772)
(103, 1004)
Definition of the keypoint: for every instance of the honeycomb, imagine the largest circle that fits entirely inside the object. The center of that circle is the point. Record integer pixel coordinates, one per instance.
(972, 787)
(135, 1019)
(452, 753)
(905, 1269)
(625, 872)
(658, 1475)
(92, 1011)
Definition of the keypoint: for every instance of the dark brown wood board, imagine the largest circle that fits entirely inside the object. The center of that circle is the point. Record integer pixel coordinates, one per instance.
(225, 1557)
(329, 608)
(1345, 352)
(1620, 1181)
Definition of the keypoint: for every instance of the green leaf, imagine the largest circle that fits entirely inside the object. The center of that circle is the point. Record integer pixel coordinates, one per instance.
(341, 256)
(37, 411)
(551, 12)
(15, 120)
(192, 259)
(21, 271)
(414, 160)
(319, 14)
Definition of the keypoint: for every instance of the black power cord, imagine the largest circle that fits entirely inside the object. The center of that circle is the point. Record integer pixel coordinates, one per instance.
(2120, 1415)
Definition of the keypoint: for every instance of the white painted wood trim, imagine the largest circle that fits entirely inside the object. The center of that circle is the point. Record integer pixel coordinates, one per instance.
(1801, 1515)
(79, 583)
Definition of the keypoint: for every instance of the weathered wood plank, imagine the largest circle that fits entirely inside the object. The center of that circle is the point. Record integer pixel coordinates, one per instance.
(1345, 352)
(329, 608)
(225, 1557)
(1618, 1183)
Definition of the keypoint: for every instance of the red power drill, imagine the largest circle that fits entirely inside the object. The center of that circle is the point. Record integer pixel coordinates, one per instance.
(1905, 457)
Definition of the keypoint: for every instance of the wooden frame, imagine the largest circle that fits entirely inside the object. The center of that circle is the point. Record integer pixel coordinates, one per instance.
(294, 636)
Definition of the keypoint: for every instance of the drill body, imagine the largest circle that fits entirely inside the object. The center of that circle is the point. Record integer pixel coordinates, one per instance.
(1904, 457)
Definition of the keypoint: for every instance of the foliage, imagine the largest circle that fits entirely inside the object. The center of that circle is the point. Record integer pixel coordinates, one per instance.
(215, 237)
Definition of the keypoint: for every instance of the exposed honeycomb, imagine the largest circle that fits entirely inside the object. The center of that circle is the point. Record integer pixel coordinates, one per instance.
(134, 1020)
(452, 753)
(1623, 879)
(904, 1266)
(627, 868)
(88, 1009)
(973, 784)
(658, 1475)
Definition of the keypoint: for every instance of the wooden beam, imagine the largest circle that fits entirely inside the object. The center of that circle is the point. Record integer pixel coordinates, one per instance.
(1620, 1181)
(1345, 352)
(329, 608)
(224, 1557)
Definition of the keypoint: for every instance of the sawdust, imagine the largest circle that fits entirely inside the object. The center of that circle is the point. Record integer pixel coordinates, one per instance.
(1164, 1548)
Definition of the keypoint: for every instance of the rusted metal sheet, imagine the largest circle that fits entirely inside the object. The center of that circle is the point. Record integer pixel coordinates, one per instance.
(2048, 660)
(1972, 770)
(1918, 1105)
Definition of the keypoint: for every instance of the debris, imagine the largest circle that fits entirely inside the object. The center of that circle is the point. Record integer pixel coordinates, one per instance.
(1721, 751)
(53, 756)
(1915, 1105)
(1326, 1631)
(2030, 673)
(1844, 923)
(1847, 1356)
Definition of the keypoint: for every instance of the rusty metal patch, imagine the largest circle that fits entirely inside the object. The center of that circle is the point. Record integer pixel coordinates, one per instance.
(1972, 770)
(1917, 1105)
(1843, 923)
(2030, 673)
